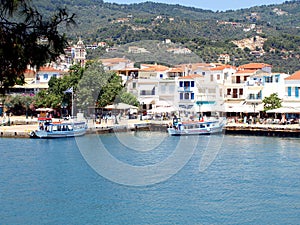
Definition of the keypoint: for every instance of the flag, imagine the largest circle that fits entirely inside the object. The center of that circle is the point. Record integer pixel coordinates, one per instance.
(69, 90)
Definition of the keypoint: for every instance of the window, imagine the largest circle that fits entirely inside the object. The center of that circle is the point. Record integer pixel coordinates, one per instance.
(228, 91)
(186, 96)
(54, 75)
(241, 91)
(203, 73)
(289, 91)
(181, 96)
(192, 83)
(211, 78)
(153, 91)
(277, 78)
(269, 79)
(218, 76)
(161, 75)
(163, 89)
(181, 84)
(134, 85)
(296, 92)
(171, 88)
(211, 91)
(186, 83)
(45, 76)
(226, 75)
(192, 96)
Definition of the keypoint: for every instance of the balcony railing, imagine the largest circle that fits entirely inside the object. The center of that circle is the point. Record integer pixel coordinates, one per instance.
(185, 89)
(254, 97)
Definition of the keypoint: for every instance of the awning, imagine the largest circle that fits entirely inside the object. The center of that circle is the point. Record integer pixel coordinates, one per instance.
(284, 110)
(147, 101)
(244, 108)
(163, 110)
(120, 106)
(146, 87)
(163, 103)
(44, 110)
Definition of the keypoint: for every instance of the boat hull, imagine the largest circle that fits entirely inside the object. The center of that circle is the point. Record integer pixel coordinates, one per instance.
(49, 129)
(196, 127)
(57, 134)
(174, 132)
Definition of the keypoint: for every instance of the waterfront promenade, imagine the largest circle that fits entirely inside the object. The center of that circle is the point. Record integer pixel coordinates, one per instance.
(21, 127)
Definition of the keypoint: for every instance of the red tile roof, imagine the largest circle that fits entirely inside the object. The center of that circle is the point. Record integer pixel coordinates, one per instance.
(190, 77)
(176, 70)
(245, 71)
(48, 69)
(114, 60)
(295, 76)
(156, 68)
(252, 66)
(219, 68)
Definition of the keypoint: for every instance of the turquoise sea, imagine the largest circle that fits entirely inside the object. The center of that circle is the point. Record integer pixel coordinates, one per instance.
(150, 178)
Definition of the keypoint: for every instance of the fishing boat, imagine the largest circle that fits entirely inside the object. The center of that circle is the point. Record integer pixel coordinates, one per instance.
(49, 129)
(201, 127)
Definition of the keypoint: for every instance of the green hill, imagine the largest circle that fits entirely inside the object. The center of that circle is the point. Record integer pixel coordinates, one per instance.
(208, 34)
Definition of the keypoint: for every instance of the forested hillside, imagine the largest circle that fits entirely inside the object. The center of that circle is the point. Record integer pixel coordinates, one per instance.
(208, 34)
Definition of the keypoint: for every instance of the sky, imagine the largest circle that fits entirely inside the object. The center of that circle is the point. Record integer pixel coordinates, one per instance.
(221, 5)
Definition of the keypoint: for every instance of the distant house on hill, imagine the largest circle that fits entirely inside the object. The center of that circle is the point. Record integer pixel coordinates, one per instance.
(116, 64)
(137, 50)
(224, 58)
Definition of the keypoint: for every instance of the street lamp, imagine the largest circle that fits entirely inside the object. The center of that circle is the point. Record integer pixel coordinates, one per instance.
(254, 105)
(141, 116)
(199, 104)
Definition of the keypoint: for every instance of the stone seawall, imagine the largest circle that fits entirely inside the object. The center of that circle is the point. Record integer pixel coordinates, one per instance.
(264, 130)
(23, 131)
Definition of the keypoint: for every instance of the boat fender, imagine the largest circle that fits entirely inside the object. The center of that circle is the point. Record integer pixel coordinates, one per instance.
(208, 129)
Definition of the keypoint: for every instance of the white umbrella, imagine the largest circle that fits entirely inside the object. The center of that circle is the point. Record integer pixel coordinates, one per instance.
(163, 110)
(284, 110)
(120, 106)
(44, 110)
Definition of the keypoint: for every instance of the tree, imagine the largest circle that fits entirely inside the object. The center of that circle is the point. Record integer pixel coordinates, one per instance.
(272, 102)
(45, 98)
(111, 92)
(127, 98)
(28, 39)
(96, 87)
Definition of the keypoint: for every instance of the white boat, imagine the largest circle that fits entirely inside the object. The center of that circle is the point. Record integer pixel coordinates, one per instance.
(49, 129)
(208, 127)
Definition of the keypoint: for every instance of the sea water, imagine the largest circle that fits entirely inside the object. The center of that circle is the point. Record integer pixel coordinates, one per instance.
(142, 179)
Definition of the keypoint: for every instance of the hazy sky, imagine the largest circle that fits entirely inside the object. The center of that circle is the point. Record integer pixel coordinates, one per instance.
(221, 5)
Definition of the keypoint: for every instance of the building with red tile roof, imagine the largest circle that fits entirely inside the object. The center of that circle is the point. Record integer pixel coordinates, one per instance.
(294, 76)
(255, 66)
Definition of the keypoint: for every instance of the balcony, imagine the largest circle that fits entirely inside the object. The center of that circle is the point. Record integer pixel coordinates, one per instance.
(185, 89)
(254, 97)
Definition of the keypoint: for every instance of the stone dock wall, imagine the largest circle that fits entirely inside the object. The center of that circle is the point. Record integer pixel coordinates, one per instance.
(21, 130)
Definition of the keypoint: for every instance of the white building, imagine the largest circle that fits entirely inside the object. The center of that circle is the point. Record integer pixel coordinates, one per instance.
(292, 91)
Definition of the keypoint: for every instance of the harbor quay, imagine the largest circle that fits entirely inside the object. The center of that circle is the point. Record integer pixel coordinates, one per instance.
(20, 127)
